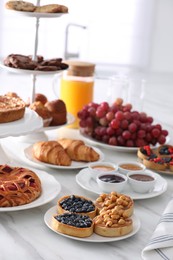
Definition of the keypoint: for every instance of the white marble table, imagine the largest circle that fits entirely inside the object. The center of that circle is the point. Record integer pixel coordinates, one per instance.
(24, 235)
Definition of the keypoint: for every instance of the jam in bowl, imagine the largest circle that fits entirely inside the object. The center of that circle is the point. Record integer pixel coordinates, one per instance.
(101, 167)
(128, 166)
(141, 182)
(111, 182)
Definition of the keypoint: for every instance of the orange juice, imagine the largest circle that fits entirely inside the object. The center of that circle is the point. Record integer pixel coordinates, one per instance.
(76, 94)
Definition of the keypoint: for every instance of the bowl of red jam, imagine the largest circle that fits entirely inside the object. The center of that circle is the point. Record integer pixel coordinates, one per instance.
(141, 182)
(109, 182)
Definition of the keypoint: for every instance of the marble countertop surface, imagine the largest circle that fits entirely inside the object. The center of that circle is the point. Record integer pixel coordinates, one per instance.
(24, 235)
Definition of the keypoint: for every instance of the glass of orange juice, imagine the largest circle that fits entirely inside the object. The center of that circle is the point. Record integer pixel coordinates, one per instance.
(77, 87)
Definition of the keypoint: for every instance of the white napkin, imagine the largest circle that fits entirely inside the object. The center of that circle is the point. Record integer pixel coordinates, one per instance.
(160, 245)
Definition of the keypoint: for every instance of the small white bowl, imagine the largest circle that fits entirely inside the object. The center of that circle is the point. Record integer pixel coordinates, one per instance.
(142, 182)
(96, 168)
(129, 166)
(106, 184)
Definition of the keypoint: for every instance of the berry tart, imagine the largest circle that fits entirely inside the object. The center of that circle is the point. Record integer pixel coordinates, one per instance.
(144, 152)
(112, 223)
(73, 224)
(18, 186)
(156, 163)
(116, 201)
(76, 204)
(165, 151)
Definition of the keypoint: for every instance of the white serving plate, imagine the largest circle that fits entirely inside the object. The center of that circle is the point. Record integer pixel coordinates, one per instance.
(74, 165)
(29, 72)
(50, 190)
(94, 238)
(34, 14)
(115, 148)
(28, 124)
(83, 178)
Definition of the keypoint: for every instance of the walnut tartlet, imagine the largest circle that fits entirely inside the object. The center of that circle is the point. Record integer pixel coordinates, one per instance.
(114, 199)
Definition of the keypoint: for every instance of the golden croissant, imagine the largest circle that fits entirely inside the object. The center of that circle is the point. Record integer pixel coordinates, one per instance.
(51, 152)
(78, 151)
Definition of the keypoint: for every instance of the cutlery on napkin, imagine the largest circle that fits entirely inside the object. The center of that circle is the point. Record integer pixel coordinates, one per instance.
(160, 245)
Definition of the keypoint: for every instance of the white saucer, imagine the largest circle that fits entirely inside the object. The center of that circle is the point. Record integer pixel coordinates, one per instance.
(94, 238)
(83, 178)
(50, 190)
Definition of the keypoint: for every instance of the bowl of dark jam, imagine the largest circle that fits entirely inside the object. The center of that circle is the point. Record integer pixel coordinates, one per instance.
(141, 182)
(109, 182)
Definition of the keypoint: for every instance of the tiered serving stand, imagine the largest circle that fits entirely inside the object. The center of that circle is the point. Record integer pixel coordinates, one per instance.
(37, 134)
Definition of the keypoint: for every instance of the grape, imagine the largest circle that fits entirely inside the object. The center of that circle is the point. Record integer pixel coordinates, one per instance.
(127, 107)
(112, 140)
(132, 127)
(162, 139)
(143, 117)
(128, 116)
(100, 112)
(115, 123)
(129, 143)
(110, 131)
(104, 106)
(149, 119)
(92, 111)
(119, 115)
(124, 124)
(103, 121)
(164, 132)
(141, 133)
(118, 131)
(155, 132)
(126, 134)
(120, 140)
(109, 115)
(135, 115)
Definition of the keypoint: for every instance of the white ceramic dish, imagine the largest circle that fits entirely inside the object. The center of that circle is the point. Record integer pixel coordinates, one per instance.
(94, 238)
(115, 148)
(28, 124)
(135, 163)
(50, 190)
(94, 171)
(74, 165)
(34, 14)
(140, 186)
(30, 72)
(110, 186)
(84, 179)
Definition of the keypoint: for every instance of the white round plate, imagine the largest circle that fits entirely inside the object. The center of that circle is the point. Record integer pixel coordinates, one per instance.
(94, 237)
(74, 165)
(30, 72)
(115, 148)
(83, 178)
(29, 123)
(50, 190)
(70, 120)
(34, 14)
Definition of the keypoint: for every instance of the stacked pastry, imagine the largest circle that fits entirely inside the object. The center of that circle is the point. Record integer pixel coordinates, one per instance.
(64, 151)
(53, 112)
(78, 216)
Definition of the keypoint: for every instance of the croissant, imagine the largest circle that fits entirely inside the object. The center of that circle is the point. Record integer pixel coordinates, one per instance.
(78, 151)
(51, 152)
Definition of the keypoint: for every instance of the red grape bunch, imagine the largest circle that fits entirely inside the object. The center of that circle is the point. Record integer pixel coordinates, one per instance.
(119, 125)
